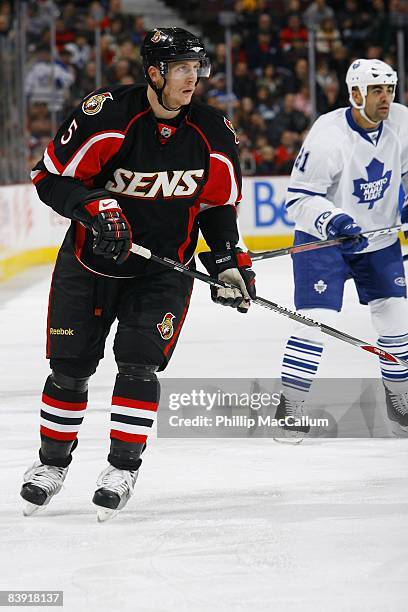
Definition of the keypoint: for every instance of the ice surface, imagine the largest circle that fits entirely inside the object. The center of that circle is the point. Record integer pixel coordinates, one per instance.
(214, 525)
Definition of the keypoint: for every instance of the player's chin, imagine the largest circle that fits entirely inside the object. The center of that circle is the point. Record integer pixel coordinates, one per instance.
(186, 96)
(384, 112)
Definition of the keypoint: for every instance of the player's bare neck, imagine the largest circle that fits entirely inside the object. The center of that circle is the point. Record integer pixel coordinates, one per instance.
(363, 123)
(158, 110)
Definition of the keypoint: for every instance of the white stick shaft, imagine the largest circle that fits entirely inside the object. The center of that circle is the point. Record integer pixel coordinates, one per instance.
(142, 251)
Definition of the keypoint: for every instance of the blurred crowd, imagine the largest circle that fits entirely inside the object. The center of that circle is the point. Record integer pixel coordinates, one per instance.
(271, 99)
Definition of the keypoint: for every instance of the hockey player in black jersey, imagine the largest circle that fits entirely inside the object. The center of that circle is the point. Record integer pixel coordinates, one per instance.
(132, 163)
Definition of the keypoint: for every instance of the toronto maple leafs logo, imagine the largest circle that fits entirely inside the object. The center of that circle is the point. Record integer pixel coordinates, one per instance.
(370, 190)
(320, 286)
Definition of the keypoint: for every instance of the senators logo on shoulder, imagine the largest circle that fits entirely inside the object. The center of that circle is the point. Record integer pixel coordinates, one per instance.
(94, 104)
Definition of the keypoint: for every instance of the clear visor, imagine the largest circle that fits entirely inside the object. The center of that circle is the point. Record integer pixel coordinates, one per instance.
(183, 69)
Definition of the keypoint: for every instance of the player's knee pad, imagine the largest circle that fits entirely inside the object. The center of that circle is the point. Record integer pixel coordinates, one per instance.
(141, 371)
(74, 368)
(390, 316)
(134, 347)
(321, 315)
(70, 383)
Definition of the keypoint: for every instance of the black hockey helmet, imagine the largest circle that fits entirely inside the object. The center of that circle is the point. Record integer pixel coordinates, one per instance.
(164, 45)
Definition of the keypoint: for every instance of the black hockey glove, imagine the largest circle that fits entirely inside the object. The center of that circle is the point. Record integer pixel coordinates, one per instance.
(111, 230)
(231, 265)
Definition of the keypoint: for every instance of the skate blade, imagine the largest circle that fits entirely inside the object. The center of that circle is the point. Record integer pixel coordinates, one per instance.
(30, 509)
(291, 441)
(105, 514)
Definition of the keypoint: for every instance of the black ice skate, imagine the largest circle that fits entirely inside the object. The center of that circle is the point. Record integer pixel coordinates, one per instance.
(292, 410)
(115, 488)
(397, 411)
(41, 483)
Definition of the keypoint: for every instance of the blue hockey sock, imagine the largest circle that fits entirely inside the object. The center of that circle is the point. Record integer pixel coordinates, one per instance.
(301, 360)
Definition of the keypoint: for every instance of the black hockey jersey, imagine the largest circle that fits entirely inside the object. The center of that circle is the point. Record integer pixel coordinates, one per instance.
(168, 181)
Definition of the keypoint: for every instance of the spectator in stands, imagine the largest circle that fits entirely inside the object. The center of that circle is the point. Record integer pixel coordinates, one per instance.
(119, 69)
(286, 152)
(269, 59)
(138, 30)
(63, 34)
(339, 63)
(288, 119)
(80, 51)
(218, 59)
(302, 102)
(39, 85)
(85, 84)
(263, 104)
(266, 165)
(257, 126)
(243, 83)
(355, 24)
(69, 16)
(276, 82)
(330, 99)
(248, 164)
(301, 73)
(316, 12)
(39, 121)
(243, 113)
(380, 31)
(327, 36)
(262, 52)
(5, 16)
(219, 94)
(116, 20)
(324, 76)
(294, 35)
(128, 51)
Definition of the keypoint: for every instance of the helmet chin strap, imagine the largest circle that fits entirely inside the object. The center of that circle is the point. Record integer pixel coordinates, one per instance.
(364, 115)
(159, 94)
(360, 107)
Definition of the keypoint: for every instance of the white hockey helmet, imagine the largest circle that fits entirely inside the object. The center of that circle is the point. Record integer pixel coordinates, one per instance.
(364, 72)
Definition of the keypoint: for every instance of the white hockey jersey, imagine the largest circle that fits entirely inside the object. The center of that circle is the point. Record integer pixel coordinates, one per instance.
(341, 166)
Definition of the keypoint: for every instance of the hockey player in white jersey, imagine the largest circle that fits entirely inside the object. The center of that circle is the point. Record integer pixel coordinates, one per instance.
(346, 179)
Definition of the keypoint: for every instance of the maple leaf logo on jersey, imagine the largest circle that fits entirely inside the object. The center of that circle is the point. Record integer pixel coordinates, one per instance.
(166, 329)
(370, 190)
(94, 104)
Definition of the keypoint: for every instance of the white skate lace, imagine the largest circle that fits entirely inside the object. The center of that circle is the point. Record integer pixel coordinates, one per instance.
(118, 481)
(400, 402)
(47, 477)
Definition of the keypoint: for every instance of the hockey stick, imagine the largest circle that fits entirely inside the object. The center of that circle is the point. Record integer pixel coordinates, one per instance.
(330, 331)
(321, 244)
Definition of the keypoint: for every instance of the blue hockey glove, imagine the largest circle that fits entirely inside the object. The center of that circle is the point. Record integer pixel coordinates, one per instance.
(344, 225)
